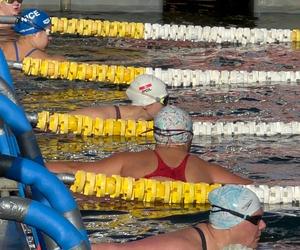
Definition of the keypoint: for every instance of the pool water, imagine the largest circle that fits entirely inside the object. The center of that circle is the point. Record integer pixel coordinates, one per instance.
(275, 160)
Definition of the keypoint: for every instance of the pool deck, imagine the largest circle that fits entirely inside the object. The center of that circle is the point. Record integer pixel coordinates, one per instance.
(98, 5)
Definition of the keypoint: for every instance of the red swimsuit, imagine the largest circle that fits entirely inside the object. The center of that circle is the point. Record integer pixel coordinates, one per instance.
(164, 170)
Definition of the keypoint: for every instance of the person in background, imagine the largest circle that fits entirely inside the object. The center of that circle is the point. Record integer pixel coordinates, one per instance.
(10, 7)
(170, 160)
(34, 29)
(148, 95)
(235, 220)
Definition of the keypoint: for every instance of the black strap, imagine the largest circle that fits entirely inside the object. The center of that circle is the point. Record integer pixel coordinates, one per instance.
(118, 113)
(202, 236)
(30, 52)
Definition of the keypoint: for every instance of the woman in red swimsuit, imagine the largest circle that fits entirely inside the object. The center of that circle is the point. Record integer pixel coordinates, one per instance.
(170, 160)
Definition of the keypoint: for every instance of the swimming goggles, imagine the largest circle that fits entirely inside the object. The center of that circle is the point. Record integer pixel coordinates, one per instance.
(12, 1)
(170, 132)
(254, 219)
(164, 100)
(167, 132)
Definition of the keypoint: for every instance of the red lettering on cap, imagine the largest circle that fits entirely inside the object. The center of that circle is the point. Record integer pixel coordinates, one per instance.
(145, 87)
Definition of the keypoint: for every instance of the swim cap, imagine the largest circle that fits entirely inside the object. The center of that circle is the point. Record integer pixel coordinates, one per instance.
(32, 21)
(146, 89)
(235, 198)
(172, 125)
(236, 247)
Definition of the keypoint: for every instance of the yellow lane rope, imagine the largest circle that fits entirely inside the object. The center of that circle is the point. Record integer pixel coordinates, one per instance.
(150, 190)
(87, 126)
(80, 71)
(146, 190)
(119, 74)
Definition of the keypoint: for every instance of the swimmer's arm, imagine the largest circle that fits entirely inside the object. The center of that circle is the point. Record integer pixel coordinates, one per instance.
(109, 166)
(224, 176)
(43, 55)
(93, 112)
(57, 58)
(177, 240)
(109, 112)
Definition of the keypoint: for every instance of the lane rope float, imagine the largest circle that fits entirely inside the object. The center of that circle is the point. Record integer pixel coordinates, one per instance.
(194, 33)
(150, 190)
(119, 74)
(87, 126)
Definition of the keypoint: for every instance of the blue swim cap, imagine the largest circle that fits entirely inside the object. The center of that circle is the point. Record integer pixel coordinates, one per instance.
(32, 21)
(235, 198)
(172, 125)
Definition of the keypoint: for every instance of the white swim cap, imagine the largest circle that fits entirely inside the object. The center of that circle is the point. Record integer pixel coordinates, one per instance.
(235, 198)
(146, 89)
(172, 125)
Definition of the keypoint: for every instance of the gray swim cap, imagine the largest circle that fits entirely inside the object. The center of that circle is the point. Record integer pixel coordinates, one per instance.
(235, 198)
(172, 125)
(146, 89)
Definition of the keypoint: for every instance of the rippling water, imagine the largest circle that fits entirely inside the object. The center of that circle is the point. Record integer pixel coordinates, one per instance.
(275, 160)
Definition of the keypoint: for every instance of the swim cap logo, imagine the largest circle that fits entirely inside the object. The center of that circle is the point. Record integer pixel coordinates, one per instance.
(46, 21)
(247, 205)
(31, 15)
(145, 88)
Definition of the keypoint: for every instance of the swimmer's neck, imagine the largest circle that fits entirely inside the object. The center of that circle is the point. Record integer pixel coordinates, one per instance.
(217, 239)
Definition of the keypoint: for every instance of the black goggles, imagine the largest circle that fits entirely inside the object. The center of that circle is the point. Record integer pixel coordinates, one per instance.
(170, 132)
(254, 219)
(12, 1)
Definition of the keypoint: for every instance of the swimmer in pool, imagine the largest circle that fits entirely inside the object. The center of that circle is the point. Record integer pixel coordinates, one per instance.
(170, 160)
(148, 96)
(235, 220)
(34, 29)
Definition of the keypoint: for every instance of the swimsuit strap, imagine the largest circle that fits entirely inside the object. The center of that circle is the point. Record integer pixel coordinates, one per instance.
(177, 173)
(16, 51)
(202, 236)
(118, 112)
(30, 52)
